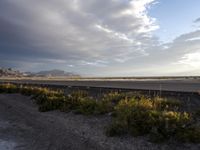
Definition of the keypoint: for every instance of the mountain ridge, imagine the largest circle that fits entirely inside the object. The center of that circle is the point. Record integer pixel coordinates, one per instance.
(9, 72)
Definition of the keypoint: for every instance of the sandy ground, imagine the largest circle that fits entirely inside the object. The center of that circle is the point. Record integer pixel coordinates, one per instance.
(22, 127)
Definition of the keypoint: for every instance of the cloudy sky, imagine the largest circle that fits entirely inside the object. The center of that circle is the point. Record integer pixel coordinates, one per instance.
(101, 37)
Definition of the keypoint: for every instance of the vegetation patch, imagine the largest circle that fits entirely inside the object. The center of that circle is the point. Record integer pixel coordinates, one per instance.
(8, 88)
(154, 117)
(133, 113)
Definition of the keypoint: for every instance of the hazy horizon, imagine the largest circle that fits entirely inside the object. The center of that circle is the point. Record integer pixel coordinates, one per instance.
(102, 37)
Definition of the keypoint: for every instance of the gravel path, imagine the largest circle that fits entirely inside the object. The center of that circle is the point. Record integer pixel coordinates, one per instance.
(22, 127)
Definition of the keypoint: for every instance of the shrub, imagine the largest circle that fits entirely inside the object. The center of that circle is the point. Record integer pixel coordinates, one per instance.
(73, 101)
(8, 88)
(113, 97)
(166, 104)
(37, 92)
(140, 117)
(170, 122)
(48, 99)
(79, 94)
(87, 106)
(137, 115)
(104, 107)
(109, 101)
(51, 103)
(191, 134)
(80, 102)
(29, 90)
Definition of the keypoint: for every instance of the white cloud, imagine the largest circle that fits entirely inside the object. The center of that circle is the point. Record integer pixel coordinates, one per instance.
(191, 60)
(78, 30)
(101, 36)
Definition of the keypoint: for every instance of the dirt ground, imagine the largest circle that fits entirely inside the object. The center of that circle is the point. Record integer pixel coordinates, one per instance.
(23, 127)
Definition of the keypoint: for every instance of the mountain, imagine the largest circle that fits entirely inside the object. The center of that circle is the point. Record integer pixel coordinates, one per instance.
(51, 73)
(55, 73)
(9, 72)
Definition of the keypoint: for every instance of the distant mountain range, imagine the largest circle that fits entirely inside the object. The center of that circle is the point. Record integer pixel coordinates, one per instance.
(55, 73)
(9, 72)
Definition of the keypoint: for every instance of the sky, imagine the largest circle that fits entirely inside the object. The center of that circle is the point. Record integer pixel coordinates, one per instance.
(101, 37)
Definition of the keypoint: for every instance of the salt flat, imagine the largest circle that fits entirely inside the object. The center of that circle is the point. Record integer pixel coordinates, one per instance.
(190, 85)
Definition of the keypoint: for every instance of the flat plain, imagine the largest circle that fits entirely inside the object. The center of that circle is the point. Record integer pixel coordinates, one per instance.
(178, 85)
